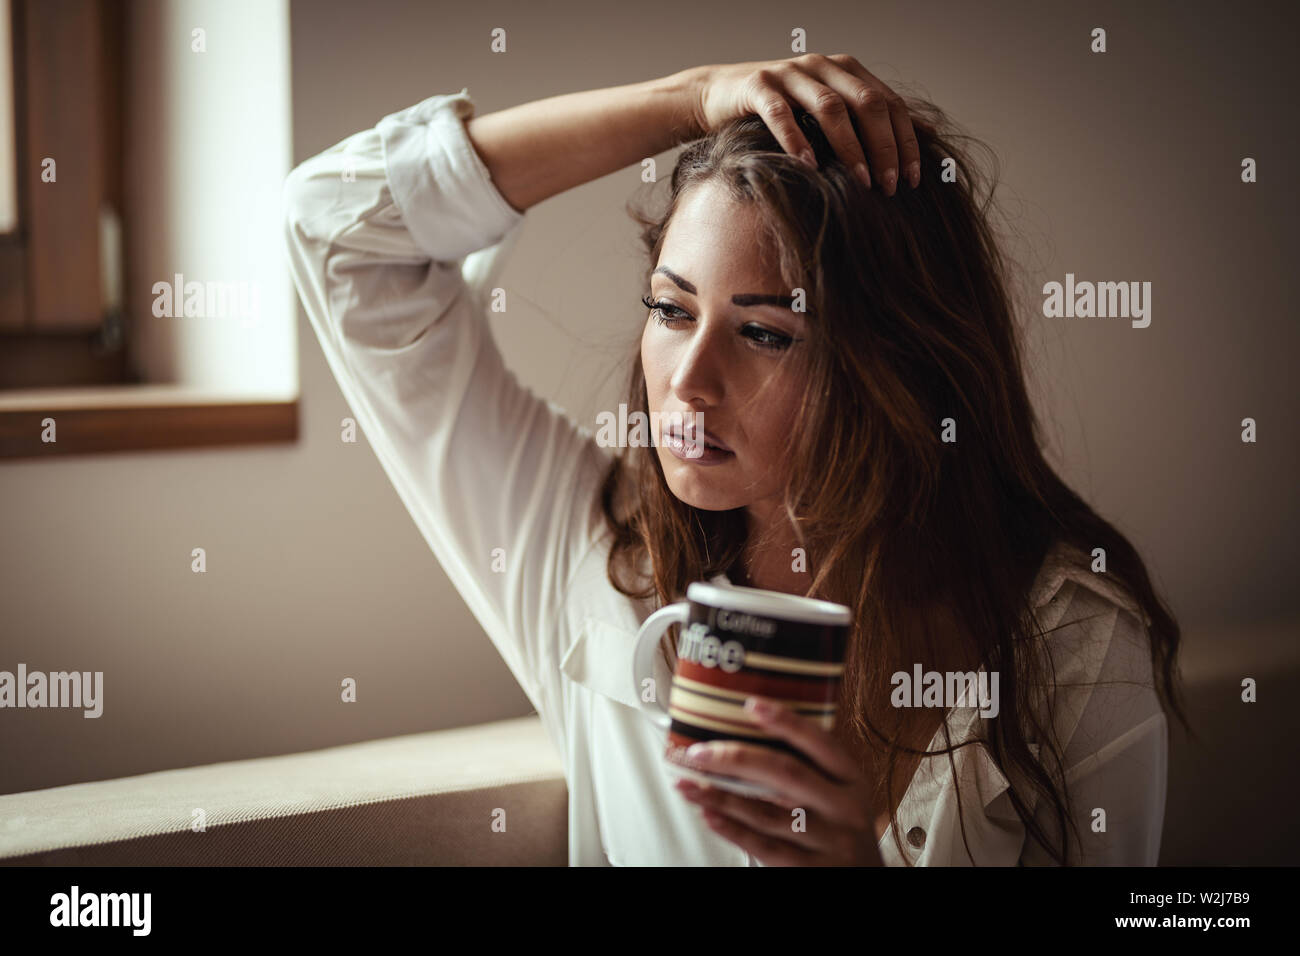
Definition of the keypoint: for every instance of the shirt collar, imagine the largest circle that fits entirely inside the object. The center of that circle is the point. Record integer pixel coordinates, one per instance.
(1065, 562)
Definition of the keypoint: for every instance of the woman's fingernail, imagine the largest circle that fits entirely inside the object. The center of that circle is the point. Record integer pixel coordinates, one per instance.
(914, 173)
(698, 753)
(808, 158)
(861, 170)
(890, 179)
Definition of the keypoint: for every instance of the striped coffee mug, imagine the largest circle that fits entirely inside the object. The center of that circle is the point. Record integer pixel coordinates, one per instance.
(736, 642)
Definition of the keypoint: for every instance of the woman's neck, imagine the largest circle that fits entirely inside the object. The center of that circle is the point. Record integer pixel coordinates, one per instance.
(774, 567)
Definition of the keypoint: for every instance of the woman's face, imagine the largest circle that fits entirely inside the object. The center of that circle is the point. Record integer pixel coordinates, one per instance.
(718, 351)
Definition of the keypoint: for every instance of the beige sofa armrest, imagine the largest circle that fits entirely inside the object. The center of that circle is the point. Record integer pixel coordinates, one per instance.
(427, 798)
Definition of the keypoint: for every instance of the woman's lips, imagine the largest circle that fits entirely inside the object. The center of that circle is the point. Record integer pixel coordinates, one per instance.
(695, 451)
(675, 430)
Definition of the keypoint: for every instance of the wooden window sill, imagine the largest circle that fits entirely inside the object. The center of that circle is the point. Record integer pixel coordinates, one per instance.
(139, 417)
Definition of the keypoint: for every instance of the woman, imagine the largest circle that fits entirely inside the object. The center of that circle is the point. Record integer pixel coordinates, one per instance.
(846, 335)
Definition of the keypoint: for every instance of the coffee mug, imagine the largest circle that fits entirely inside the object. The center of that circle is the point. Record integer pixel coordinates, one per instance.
(736, 642)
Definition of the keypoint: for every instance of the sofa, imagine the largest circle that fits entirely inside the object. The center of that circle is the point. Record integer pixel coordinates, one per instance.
(487, 795)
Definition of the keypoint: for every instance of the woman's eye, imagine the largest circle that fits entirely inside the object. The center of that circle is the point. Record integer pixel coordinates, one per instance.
(662, 311)
(767, 339)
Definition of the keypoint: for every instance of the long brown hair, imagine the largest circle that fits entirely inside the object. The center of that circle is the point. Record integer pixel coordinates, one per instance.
(934, 545)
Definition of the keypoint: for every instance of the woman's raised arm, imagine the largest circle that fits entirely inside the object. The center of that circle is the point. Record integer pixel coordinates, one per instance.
(542, 148)
(395, 237)
(538, 149)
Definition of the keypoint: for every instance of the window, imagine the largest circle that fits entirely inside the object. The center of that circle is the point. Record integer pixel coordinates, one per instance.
(143, 145)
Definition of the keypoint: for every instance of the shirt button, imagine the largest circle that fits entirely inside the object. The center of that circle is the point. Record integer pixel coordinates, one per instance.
(916, 837)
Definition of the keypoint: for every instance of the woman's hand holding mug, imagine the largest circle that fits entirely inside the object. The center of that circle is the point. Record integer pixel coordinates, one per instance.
(836, 829)
(778, 784)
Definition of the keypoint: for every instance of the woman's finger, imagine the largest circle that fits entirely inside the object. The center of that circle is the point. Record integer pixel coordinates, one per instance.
(768, 100)
(816, 834)
(825, 750)
(871, 106)
(771, 851)
(795, 782)
(904, 148)
(832, 113)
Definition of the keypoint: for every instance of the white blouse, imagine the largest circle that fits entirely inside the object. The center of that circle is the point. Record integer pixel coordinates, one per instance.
(396, 237)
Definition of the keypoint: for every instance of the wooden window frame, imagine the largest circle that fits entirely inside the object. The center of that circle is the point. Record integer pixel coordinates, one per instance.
(62, 354)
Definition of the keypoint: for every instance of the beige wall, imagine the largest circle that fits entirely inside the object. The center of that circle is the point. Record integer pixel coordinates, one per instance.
(1121, 166)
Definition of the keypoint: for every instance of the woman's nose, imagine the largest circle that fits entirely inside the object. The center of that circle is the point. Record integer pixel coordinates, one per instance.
(698, 377)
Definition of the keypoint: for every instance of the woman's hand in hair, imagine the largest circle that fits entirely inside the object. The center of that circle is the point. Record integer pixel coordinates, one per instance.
(820, 815)
(865, 122)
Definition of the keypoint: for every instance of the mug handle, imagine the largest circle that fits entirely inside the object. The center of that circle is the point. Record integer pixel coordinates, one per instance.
(643, 658)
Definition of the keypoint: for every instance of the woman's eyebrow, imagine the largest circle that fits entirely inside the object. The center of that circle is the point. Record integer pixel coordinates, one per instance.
(743, 299)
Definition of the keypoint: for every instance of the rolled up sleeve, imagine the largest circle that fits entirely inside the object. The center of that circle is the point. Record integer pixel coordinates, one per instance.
(395, 236)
